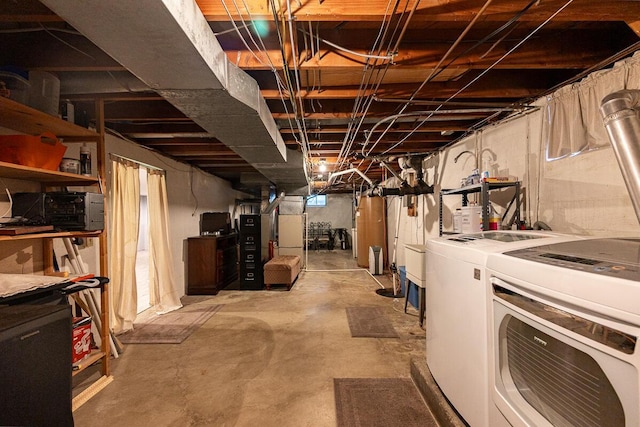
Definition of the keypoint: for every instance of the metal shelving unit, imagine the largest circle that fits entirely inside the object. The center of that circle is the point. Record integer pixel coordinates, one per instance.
(484, 188)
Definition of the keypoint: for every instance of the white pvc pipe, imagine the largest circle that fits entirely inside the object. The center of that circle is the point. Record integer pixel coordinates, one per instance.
(395, 246)
(72, 255)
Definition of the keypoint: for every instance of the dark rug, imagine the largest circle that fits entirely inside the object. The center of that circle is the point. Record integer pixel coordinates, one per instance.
(170, 328)
(380, 402)
(369, 322)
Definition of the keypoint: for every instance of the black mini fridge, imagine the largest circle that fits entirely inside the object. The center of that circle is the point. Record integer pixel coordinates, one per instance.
(35, 365)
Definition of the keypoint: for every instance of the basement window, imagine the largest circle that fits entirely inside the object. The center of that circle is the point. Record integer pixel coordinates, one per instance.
(317, 200)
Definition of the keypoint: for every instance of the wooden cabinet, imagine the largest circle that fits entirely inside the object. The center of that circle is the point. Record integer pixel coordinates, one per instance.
(21, 118)
(212, 263)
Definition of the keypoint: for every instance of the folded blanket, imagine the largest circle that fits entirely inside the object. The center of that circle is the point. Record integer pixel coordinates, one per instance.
(12, 284)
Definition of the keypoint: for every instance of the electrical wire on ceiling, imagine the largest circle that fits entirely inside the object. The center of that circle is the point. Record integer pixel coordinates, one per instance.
(300, 116)
(344, 49)
(486, 70)
(371, 83)
(45, 29)
(497, 31)
(431, 76)
(365, 81)
(282, 86)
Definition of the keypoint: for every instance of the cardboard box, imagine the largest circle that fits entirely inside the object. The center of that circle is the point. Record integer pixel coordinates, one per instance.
(81, 338)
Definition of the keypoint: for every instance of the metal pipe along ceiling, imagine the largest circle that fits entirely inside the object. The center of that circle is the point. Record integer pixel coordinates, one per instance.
(170, 47)
(621, 113)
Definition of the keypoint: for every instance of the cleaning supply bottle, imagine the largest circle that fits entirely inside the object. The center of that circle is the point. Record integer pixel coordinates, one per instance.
(85, 160)
(494, 219)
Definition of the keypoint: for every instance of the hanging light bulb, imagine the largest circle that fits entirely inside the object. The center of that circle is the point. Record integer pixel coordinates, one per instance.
(323, 166)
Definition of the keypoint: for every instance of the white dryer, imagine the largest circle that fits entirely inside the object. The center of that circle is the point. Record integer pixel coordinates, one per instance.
(565, 324)
(457, 301)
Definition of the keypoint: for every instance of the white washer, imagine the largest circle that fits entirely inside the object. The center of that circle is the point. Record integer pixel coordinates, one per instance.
(565, 325)
(457, 301)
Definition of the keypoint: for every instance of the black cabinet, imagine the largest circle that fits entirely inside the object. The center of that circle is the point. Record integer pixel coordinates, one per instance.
(251, 275)
(35, 365)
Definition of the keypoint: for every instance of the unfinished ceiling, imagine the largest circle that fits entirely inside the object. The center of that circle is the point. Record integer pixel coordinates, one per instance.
(344, 84)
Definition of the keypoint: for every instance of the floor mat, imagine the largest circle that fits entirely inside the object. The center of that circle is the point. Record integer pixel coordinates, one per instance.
(170, 328)
(369, 322)
(382, 402)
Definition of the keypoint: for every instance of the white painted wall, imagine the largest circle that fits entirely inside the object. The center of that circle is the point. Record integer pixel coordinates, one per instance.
(584, 194)
(190, 192)
(338, 211)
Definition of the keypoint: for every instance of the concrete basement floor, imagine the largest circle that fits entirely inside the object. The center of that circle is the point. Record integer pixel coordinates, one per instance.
(267, 358)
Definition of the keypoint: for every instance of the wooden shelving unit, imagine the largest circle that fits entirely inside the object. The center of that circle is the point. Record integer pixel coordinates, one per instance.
(52, 235)
(24, 119)
(9, 170)
(28, 120)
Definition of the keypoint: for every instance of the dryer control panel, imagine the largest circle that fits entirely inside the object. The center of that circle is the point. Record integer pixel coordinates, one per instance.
(615, 257)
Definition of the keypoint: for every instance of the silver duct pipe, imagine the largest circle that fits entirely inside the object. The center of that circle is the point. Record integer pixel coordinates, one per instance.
(621, 113)
(352, 170)
(168, 45)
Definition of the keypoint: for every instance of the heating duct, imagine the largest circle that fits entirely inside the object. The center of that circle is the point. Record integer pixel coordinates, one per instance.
(170, 47)
(621, 113)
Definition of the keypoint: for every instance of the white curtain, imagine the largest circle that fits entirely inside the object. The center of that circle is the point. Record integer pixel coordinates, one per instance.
(633, 72)
(125, 214)
(572, 120)
(163, 294)
(565, 134)
(592, 91)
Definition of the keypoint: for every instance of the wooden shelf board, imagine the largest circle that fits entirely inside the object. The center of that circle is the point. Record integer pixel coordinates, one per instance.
(28, 120)
(52, 235)
(11, 170)
(90, 391)
(83, 364)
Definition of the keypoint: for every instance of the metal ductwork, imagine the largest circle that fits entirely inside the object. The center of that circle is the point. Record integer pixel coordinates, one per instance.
(100, 82)
(621, 113)
(170, 47)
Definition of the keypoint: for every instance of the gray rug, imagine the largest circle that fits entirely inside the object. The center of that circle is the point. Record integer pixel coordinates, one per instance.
(369, 322)
(383, 402)
(170, 328)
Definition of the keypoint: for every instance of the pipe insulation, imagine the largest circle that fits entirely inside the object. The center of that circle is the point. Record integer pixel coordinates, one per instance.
(621, 113)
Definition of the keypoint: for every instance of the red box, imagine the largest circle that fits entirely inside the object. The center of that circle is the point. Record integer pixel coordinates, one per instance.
(81, 338)
(43, 151)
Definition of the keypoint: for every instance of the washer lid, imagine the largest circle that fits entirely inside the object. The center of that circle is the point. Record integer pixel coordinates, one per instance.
(614, 257)
(499, 236)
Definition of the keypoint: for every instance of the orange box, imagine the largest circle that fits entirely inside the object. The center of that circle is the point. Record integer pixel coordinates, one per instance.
(43, 151)
(81, 338)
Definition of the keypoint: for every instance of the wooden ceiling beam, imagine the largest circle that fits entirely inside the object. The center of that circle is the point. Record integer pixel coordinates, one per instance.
(549, 52)
(416, 137)
(182, 142)
(204, 159)
(428, 127)
(156, 128)
(190, 151)
(635, 26)
(427, 11)
(346, 114)
(159, 110)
